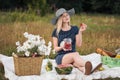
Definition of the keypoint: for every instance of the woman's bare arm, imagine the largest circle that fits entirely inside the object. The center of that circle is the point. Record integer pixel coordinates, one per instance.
(55, 44)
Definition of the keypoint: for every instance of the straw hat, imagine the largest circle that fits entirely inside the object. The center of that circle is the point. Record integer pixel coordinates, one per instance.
(59, 12)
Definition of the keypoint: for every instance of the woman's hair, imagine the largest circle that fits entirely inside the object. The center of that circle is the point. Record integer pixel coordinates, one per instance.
(59, 25)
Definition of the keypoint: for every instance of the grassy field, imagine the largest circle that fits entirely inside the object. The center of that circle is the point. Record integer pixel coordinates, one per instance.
(103, 31)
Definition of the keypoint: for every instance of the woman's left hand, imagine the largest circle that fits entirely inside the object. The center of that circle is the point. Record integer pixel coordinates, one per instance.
(83, 27)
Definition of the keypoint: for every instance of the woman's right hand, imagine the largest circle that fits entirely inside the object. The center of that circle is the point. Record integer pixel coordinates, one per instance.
(83, 27)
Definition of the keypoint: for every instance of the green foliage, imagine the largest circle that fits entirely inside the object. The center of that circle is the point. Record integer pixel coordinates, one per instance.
(2, 72)
(33, 6)
(34, 49)
(49, 66)
(42, 7)
(102, 6)
(17, 16)
(68, 4)
(8, 51)
(52, 56)
(38, 6)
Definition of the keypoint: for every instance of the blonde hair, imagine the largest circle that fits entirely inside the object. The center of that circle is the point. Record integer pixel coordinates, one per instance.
(59, 25)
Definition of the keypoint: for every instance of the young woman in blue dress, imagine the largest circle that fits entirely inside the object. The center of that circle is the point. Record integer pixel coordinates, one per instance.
(64, 30)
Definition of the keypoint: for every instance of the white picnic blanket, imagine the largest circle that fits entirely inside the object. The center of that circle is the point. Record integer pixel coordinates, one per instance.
(52, 75)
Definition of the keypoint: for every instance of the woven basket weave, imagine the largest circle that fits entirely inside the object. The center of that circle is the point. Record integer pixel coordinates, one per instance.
(27, 65)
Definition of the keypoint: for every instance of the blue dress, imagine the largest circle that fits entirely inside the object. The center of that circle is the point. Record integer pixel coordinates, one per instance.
(61, 36)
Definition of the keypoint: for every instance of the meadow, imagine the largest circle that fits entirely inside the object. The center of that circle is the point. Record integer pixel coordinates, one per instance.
(103, 30)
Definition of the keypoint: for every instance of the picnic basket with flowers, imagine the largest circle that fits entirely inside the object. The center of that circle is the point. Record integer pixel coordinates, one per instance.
(31, 55)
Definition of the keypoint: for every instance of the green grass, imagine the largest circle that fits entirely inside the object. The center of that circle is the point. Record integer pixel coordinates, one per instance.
(102, 31)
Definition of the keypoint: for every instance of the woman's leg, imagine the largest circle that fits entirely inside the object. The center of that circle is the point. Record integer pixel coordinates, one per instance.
(75, 59)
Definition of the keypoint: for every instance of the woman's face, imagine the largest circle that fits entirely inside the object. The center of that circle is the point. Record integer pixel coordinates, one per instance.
(65, 18)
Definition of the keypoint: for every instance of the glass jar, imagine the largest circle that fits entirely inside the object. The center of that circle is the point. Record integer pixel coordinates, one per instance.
(68, 43)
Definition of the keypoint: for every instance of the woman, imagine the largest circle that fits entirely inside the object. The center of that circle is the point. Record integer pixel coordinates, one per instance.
(64, 30)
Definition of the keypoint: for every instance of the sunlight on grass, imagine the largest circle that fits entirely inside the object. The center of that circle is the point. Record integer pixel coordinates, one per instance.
(103, 31)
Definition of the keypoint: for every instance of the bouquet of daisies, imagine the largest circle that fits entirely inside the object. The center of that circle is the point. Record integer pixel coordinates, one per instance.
(33, 46)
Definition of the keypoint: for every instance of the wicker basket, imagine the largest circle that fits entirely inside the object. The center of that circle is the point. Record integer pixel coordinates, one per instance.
(27, 65)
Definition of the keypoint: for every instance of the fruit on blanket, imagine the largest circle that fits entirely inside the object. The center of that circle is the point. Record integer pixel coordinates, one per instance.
(101, 68)
(63, 69)
(48, 66)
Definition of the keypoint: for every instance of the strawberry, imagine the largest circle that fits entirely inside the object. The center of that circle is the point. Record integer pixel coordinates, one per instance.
(67, 45)
(81, 24)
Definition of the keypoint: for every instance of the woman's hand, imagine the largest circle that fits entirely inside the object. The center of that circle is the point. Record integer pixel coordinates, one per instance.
(83, 27)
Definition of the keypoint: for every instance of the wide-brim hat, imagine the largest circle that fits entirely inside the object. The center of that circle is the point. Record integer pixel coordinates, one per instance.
(59, 12)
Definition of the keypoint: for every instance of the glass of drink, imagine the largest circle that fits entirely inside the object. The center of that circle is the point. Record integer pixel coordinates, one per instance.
(68, 43)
